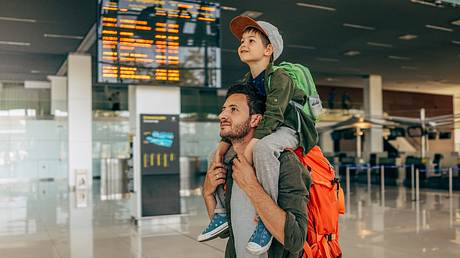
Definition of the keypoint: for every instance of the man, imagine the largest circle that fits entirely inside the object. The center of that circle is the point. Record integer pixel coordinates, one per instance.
(287, 220)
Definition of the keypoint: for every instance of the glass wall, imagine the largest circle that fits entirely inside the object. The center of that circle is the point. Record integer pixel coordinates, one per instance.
(33, 143)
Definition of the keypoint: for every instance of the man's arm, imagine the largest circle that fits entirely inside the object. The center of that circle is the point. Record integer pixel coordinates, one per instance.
(287, 220)
(273, 216)
(215, 176)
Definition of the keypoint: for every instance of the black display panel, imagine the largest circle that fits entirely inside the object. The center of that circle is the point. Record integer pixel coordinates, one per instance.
(160, 148)
(159, 42)
(160, 167)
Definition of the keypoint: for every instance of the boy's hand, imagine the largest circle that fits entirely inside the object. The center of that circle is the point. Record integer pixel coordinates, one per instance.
(215, 176)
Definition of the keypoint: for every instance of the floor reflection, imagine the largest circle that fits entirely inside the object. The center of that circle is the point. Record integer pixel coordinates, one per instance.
(42, 219)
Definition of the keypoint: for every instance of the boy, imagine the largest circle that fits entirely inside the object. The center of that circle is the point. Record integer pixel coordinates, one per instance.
(260, 45)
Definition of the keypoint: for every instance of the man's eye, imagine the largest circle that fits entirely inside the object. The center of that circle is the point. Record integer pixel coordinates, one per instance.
(233, 109)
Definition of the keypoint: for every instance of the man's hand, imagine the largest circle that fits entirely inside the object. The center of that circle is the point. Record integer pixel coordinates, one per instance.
(244, 174)
(215, 176)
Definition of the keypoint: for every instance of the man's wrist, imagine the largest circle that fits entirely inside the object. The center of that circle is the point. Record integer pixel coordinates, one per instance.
(254, 190)
(208, 195)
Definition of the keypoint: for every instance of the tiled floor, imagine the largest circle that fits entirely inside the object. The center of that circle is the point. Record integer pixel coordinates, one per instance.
(42, 220)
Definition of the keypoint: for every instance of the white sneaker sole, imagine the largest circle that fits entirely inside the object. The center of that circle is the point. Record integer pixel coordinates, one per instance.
(212, 234)
(256, 249)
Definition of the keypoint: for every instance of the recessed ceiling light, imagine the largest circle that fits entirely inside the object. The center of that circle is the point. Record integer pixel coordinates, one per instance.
(376, 44)
(439, 28)
(400, 57)
(425, 3)
(301, 47)
(13, 19)
(323, 59)
(35, 71)
(252, 14)
(408, 37)
(357, 26)
(15, 43)
(57, 36)
(228, 8)
(315, 6)
(352, 53)
(455, 42)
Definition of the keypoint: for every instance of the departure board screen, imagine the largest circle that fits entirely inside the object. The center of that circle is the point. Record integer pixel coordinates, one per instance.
(159, 42)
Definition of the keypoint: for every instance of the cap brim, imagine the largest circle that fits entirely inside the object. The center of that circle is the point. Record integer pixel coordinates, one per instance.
(240, 23)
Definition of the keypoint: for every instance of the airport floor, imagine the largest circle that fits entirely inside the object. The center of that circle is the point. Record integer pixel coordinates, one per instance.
(44, 220)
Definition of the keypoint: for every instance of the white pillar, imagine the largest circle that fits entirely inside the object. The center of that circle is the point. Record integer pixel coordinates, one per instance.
(58, 93)
(81, 237)
(456, 99)
(147, 100)
(79, 117)
(373, 106)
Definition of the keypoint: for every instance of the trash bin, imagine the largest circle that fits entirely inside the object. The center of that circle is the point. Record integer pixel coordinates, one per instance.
(188, 174)
(114, 178)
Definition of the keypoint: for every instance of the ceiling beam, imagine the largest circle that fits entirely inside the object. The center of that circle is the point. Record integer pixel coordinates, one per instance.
(84, 46)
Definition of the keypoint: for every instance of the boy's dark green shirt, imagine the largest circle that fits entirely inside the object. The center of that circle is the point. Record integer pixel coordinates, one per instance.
(280, 89)
(293, 192)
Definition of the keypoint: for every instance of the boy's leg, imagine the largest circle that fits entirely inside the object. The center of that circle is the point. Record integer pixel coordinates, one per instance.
(265, 157)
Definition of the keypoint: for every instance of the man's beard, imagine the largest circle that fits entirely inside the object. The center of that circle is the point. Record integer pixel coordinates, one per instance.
(238, 132)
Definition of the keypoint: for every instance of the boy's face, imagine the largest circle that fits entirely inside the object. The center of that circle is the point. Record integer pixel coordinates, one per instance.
(252, 49)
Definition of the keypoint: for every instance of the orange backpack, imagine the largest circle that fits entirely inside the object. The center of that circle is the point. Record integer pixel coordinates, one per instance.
(325, 204)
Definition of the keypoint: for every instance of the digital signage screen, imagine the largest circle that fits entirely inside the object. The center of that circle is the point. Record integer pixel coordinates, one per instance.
(156, 42)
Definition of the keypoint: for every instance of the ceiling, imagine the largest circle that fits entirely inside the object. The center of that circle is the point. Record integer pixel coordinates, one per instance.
(318, 37)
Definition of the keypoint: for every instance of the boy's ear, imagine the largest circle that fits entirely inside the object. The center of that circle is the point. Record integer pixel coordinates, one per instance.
(268, 50)
(255, 120)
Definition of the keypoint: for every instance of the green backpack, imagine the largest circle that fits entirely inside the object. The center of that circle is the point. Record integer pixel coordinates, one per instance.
(303, 80)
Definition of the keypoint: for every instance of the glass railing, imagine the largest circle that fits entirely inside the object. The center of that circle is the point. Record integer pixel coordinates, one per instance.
(33, 147)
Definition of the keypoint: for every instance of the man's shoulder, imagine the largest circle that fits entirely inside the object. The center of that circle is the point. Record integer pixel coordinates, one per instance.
(289, 159)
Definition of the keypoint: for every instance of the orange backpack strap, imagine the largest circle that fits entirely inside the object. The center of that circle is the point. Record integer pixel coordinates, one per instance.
(307, 251)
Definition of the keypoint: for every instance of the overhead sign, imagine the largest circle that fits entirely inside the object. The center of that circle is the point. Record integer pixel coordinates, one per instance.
(162, 42)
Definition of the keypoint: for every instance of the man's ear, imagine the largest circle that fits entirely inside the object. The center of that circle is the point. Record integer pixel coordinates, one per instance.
(255, 120)
(268, 50)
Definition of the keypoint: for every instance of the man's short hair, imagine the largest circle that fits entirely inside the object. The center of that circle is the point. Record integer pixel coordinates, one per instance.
(256, 102)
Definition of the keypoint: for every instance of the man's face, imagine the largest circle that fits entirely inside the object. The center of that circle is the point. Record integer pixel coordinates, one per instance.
(235, 121)
(251, 47)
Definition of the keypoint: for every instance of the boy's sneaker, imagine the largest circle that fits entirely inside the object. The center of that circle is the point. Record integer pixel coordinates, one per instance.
(218, 224)
(260, 240)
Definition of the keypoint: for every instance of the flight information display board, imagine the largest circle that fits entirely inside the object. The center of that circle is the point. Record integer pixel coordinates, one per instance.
(159, 42)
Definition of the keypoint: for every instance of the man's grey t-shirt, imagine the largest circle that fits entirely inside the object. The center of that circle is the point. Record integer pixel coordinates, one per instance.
(243, 224)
